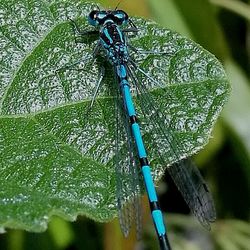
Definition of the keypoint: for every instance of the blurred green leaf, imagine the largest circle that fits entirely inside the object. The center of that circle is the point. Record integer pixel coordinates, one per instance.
(185, 232)
(166, 13)
(236, 113)
(196, 21)
(53, 160)
(202, 22)
(214, 145)
(15, 240)
(61, 232)
(238, 7)
(232, 234)
(138, 7)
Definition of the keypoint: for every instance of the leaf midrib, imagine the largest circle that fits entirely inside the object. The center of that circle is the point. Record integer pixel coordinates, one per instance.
(69, 104)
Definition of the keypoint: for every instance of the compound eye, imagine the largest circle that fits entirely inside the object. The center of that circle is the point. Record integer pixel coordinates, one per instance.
(92, 18)
(92, 14)
(121, 17)
(101, 16)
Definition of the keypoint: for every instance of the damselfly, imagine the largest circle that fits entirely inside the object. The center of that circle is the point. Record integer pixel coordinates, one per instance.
(113, 29)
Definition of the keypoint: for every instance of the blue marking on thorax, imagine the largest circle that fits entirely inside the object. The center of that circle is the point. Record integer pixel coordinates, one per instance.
(106, 33)
(120, 34)
(138, 140)
(159, 223)
(108, 21)
(104, 44)
(149, 183)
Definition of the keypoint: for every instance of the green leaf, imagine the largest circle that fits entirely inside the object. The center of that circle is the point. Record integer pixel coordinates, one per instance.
(61, 232)
(237, 7)
(231, 234)
(237, 116)
(54, 161)
(167, 14)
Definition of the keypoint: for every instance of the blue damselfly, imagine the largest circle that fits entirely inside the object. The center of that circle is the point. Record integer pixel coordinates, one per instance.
(113, 29)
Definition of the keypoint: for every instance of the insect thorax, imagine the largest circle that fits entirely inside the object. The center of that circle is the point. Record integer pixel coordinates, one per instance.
(113, 41)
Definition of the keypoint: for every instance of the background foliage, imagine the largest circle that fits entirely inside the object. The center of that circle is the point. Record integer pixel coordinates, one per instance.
(220, 26)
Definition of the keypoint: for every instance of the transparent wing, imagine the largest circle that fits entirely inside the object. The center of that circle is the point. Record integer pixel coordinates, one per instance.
(85, 76)
(127, 176)
(185, 175)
